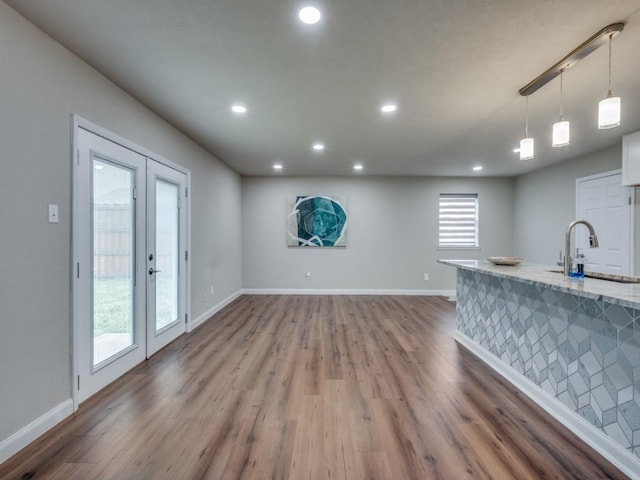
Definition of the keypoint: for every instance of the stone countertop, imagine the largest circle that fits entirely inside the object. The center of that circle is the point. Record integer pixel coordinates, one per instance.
(624, 294)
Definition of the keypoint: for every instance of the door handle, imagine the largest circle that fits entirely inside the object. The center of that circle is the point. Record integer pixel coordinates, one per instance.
(152, 271)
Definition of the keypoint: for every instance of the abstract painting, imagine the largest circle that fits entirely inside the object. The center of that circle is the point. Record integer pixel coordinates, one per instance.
(316, 221)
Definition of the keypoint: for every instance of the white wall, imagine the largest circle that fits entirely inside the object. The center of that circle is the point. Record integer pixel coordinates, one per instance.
(392, 232)
(545, 203)
(41, 86)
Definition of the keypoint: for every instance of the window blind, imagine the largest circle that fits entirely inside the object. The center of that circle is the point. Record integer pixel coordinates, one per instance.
(458, 221)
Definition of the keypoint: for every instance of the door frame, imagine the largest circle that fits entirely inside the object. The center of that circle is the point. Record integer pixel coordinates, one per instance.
(631, 193)
(78, 122)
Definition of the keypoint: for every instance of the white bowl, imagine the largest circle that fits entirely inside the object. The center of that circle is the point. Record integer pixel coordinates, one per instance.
(511, 261)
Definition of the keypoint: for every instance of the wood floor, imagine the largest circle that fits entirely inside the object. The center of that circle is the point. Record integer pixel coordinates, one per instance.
(312, 387)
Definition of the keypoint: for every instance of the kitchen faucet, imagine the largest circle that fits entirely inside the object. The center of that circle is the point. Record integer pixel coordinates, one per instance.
(593, 242)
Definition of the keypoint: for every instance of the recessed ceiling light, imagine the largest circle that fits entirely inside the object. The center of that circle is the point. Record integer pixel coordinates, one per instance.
(239, 109)
(477, 168)
(358, 167)
(309, 15)
(388, 108)
(277, 166)
(318, 147)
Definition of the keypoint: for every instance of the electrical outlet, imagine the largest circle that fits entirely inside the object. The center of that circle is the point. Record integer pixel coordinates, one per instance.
(307, 276)
(426, 276)
(205, 297)
(211, 290)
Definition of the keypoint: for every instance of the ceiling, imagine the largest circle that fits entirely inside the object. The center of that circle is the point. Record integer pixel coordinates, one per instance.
(453, 67)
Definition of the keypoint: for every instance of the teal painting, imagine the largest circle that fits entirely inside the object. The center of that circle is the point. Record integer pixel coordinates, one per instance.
(316, 221)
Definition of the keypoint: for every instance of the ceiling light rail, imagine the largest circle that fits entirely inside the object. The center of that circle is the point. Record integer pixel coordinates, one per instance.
(580, 52)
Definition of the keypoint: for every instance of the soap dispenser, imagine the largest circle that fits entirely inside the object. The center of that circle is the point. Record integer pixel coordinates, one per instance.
(577, 269)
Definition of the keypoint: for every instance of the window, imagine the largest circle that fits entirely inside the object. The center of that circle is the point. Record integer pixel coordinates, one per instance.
(458, 221)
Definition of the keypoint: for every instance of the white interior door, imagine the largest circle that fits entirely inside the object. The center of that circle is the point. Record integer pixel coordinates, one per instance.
(607, 205)
(109, 293)
(166, 255)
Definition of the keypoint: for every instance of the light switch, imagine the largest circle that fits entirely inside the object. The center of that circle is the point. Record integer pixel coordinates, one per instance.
(53, 213)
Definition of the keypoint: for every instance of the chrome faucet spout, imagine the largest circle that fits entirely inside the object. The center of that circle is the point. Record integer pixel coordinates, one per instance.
(593, 242)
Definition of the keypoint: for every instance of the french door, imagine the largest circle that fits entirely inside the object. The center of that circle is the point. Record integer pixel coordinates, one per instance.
(130, 260)
(166, 231)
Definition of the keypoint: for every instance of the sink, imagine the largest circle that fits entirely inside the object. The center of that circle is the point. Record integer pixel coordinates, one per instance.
(606, 276)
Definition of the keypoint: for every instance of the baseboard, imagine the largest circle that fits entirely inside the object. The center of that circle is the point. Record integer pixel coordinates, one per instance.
(196, 322)
(23, 437)
(617, 455)
(347, 291)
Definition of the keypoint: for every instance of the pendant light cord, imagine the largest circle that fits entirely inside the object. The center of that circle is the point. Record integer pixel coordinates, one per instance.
(610, 39)
(561, 76)
(526, 121)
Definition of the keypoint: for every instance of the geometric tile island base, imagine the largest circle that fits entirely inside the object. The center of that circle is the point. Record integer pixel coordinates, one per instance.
(584, 352)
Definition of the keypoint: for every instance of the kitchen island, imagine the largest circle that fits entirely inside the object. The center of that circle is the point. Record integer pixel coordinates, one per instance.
(572, 346)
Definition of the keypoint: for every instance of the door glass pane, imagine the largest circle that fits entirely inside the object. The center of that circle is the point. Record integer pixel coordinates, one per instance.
(113, 248)
(167, 248)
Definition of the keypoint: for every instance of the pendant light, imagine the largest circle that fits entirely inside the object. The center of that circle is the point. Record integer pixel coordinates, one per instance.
(526, 144)
(560, 137)
(609, 108)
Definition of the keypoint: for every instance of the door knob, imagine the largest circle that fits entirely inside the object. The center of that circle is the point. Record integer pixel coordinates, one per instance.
(152, 271)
